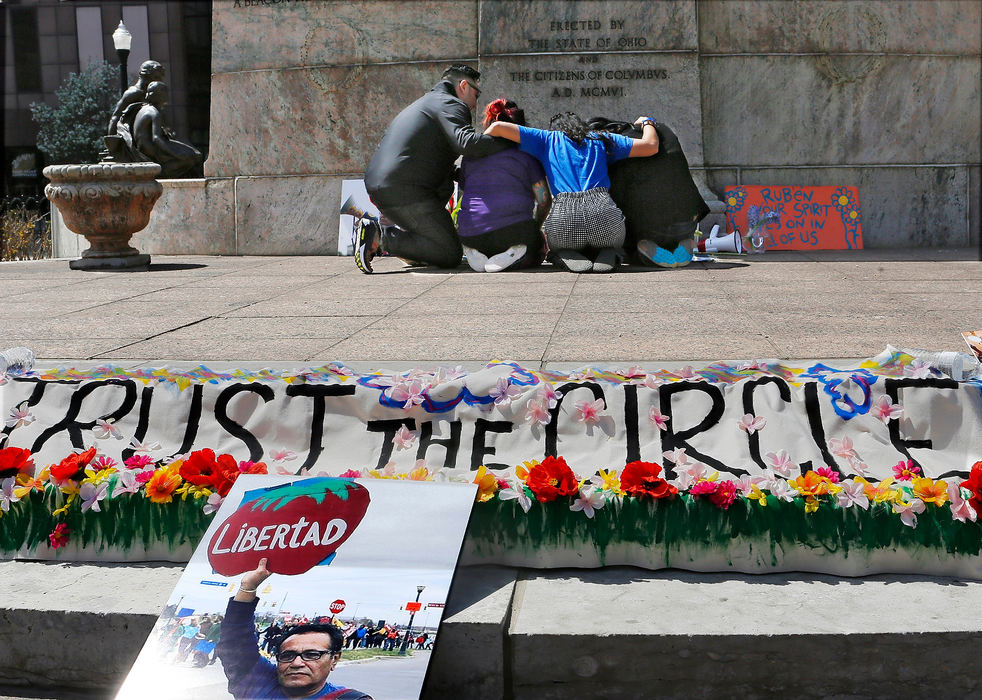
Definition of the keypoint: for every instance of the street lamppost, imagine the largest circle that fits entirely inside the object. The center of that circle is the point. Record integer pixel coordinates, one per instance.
(122, 40)
(409, 632)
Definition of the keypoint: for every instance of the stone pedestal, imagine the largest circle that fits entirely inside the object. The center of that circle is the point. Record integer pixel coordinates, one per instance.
(106, 203)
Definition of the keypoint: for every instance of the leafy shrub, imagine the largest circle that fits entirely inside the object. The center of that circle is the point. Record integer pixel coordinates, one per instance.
(72, 131)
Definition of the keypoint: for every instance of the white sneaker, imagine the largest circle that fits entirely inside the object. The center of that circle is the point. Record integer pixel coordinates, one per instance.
(502, 261)
(476, 259)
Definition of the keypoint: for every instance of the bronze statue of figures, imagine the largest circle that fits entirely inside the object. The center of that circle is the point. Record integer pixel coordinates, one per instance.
(137, 129)
(150, 71)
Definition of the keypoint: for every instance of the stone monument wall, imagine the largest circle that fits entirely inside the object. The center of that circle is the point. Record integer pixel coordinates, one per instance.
(880, 94)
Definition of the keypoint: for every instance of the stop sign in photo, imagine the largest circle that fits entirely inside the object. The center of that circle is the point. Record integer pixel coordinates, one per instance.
(337, 606)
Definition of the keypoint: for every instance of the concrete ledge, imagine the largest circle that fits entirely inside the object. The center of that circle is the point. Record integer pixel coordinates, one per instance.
(611, 633)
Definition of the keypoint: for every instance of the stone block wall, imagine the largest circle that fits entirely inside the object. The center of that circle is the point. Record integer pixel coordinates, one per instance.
(880, 94)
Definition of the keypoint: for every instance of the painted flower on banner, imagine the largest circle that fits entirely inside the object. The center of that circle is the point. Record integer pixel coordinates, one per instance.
(608, 480)
(908, 511)
(842, 447)
(72, 467)
(676, 457)
(750, 423)
(104, 429)
(279, 456)
(643, 479)
(734, 199)
(589, 501)
(145, 448)
(91, 494)
(213, 503)
(549, 395)
(974, 486)
(829, 473)
(782, 463)
(59, 536)
(537, 413)
(20, 416)
(204, 468)
(590, 412)
(408, 393)
(930, 491)
(404, 438)
(905, 470)
(885, 410)
(162, 485)
(126, 482)
(504, 392)
(8, 493)
(960, 508)
(516, 491)
(551, 479)
(487, 484)
(853, 493)
(14, 461)
(657, 418)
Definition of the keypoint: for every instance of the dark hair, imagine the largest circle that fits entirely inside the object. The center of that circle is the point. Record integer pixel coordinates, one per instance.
(502, 110)
(575, 129)
(459, 71)
(337, 639)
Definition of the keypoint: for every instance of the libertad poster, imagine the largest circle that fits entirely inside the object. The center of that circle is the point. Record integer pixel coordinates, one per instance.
(320, 587)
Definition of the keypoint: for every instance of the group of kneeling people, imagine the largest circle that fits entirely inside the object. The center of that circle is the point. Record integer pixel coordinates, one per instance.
(524, 192)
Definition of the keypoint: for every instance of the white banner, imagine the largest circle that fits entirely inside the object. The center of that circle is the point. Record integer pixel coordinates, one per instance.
(736, 420)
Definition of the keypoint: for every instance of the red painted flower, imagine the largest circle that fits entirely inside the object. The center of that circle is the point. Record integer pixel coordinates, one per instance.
(552, 478)
(643, 479)
(72, 467)
(974, 484)
(14, 461)
(724, 494)
(203, 468)
(703, 488)
(829, 473)
(246, 467)
(59, 536)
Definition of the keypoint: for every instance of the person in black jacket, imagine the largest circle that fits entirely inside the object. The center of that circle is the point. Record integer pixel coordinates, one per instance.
(409, 178)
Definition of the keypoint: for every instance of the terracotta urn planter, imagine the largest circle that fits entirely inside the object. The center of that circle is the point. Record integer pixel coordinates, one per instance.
(107, 203)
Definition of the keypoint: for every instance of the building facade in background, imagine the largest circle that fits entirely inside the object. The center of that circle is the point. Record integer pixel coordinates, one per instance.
(46, 40)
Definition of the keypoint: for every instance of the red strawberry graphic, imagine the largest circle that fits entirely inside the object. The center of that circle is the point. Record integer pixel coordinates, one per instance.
(295, 526)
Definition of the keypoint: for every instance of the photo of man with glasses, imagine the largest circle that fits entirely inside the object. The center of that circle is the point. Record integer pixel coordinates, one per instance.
(305, 655)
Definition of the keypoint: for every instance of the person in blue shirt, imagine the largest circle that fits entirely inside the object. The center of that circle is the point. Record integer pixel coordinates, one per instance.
(305, 654)
(584, 228)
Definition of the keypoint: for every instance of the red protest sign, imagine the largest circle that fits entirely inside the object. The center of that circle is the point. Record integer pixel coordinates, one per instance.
(295, 526)
(807, 218)
(337, 606)
(413, 606)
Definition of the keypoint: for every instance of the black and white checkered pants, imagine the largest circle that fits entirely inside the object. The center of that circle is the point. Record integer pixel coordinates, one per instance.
(584, 219)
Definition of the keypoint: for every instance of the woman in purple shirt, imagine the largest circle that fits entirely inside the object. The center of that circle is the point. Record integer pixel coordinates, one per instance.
(495, 223)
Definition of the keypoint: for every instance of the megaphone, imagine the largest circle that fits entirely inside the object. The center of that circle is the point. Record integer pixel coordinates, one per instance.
(730, 243)
(351, 209)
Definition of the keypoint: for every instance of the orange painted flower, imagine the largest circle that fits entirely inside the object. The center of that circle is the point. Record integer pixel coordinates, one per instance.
(15, 461)
(552, 478)
(930, 491)
(487, 484)
(643, 479)
(878, 493)
(163, 484)
(812, 484)
(72, 467)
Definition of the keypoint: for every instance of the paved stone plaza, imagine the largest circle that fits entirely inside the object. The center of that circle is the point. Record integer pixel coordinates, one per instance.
(312, 310)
